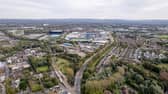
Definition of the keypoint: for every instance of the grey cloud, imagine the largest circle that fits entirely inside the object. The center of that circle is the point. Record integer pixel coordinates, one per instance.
(124, 9)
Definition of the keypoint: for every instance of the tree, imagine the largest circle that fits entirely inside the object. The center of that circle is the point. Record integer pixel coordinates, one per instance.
(139, 78)
(86, 75)
(114, 87)
(155, 89)
(150, 87)
(23, 84)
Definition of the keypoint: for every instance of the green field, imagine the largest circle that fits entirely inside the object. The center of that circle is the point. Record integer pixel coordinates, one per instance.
(35, 85)
(62, 63)
(163, 36)
(42, 69)
(65, 67)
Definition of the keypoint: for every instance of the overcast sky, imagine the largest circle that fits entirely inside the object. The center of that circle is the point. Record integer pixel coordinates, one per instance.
(101, 9)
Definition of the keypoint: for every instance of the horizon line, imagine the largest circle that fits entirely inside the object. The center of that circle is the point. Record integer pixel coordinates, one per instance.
(83, 19)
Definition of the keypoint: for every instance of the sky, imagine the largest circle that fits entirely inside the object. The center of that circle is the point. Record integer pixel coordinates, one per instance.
(94, 9)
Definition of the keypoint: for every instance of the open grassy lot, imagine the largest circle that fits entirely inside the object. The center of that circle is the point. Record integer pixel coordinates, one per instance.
(65, 66)
(35, 85)
(42, 69)
(61, 63)
(163, 36)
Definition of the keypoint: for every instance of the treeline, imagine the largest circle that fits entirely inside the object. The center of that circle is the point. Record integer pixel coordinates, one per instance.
(111, 83)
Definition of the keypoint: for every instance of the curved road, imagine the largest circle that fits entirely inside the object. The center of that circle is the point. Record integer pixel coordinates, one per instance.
(79, 75)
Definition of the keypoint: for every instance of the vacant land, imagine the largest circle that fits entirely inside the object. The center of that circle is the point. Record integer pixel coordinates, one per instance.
(61, 63)
(66, 68)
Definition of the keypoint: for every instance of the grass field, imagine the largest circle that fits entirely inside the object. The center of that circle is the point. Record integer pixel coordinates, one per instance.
(62, 63)
(35, 86)
(163, 36)
(65, 67)
(42, 69)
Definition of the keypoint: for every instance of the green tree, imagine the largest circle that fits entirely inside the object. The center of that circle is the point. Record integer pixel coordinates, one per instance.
(23, 84)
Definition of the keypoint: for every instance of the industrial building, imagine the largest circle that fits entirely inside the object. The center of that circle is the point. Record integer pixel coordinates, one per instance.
(97, 37)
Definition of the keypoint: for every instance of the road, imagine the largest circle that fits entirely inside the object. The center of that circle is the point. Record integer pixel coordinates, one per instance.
(105, 59)
(115, 51)
(79, 75)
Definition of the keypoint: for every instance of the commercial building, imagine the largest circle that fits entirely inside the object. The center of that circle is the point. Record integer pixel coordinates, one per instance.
(55, 33)
(88, 37)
